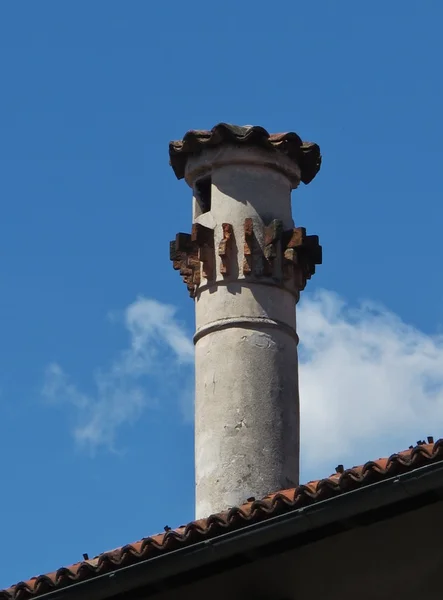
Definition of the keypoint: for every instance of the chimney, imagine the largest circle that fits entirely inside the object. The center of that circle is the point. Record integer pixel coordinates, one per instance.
(244, 263)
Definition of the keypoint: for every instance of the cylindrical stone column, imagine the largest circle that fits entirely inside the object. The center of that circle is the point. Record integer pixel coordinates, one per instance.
(245, 265)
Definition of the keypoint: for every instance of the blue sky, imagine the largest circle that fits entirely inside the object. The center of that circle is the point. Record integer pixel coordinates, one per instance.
(96, 327)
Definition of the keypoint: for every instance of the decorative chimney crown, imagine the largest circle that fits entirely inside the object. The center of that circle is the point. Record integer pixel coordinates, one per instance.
(305, 154)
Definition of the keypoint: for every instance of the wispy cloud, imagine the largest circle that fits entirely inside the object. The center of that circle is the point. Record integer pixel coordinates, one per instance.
(369, 383)
(159, 345)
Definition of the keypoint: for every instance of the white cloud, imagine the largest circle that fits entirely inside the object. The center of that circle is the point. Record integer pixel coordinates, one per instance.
(159, 345)
(370, 384)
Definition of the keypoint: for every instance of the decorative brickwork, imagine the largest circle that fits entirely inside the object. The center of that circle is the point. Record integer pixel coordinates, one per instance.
(272, 235)
(287, 255)
(301, 253)
(248, 246)
(203, 237)
(224, 248)
(193, 255)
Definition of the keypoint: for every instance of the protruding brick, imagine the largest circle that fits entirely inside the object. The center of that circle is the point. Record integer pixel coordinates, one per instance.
(273, 232)
(192, 254)
(272, 235)
(294, 237)
(204, 238)
(248, 245)
(224, 248)
(301, 253)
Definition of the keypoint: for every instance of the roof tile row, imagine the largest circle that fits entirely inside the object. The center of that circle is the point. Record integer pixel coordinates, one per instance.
(252, 511)
(305, 154)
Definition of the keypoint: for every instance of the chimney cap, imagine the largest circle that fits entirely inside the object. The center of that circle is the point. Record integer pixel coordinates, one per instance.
(305, 154)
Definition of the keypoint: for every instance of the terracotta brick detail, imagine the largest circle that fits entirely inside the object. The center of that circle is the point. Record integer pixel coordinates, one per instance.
(247, 251)
(289, 256)
(204, 238)
(193, 255)
(286, 256)
(224, 248)
(272, 235)
(301, 253)
(305, 154)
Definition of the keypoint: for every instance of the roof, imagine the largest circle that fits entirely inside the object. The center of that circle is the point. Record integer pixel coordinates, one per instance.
(253, 511)
(305, 154)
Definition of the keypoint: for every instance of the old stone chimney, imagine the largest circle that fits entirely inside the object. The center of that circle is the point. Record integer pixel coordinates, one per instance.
(244, 263)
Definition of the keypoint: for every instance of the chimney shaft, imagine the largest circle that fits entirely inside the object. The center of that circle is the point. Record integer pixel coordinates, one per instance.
(245, 264)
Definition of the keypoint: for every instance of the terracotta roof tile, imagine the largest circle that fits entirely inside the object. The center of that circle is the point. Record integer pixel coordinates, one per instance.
(306, 154)
(251, 512)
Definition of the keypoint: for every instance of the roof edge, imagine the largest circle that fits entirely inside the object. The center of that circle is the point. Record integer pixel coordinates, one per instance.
(318, 516)
(215, 526)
